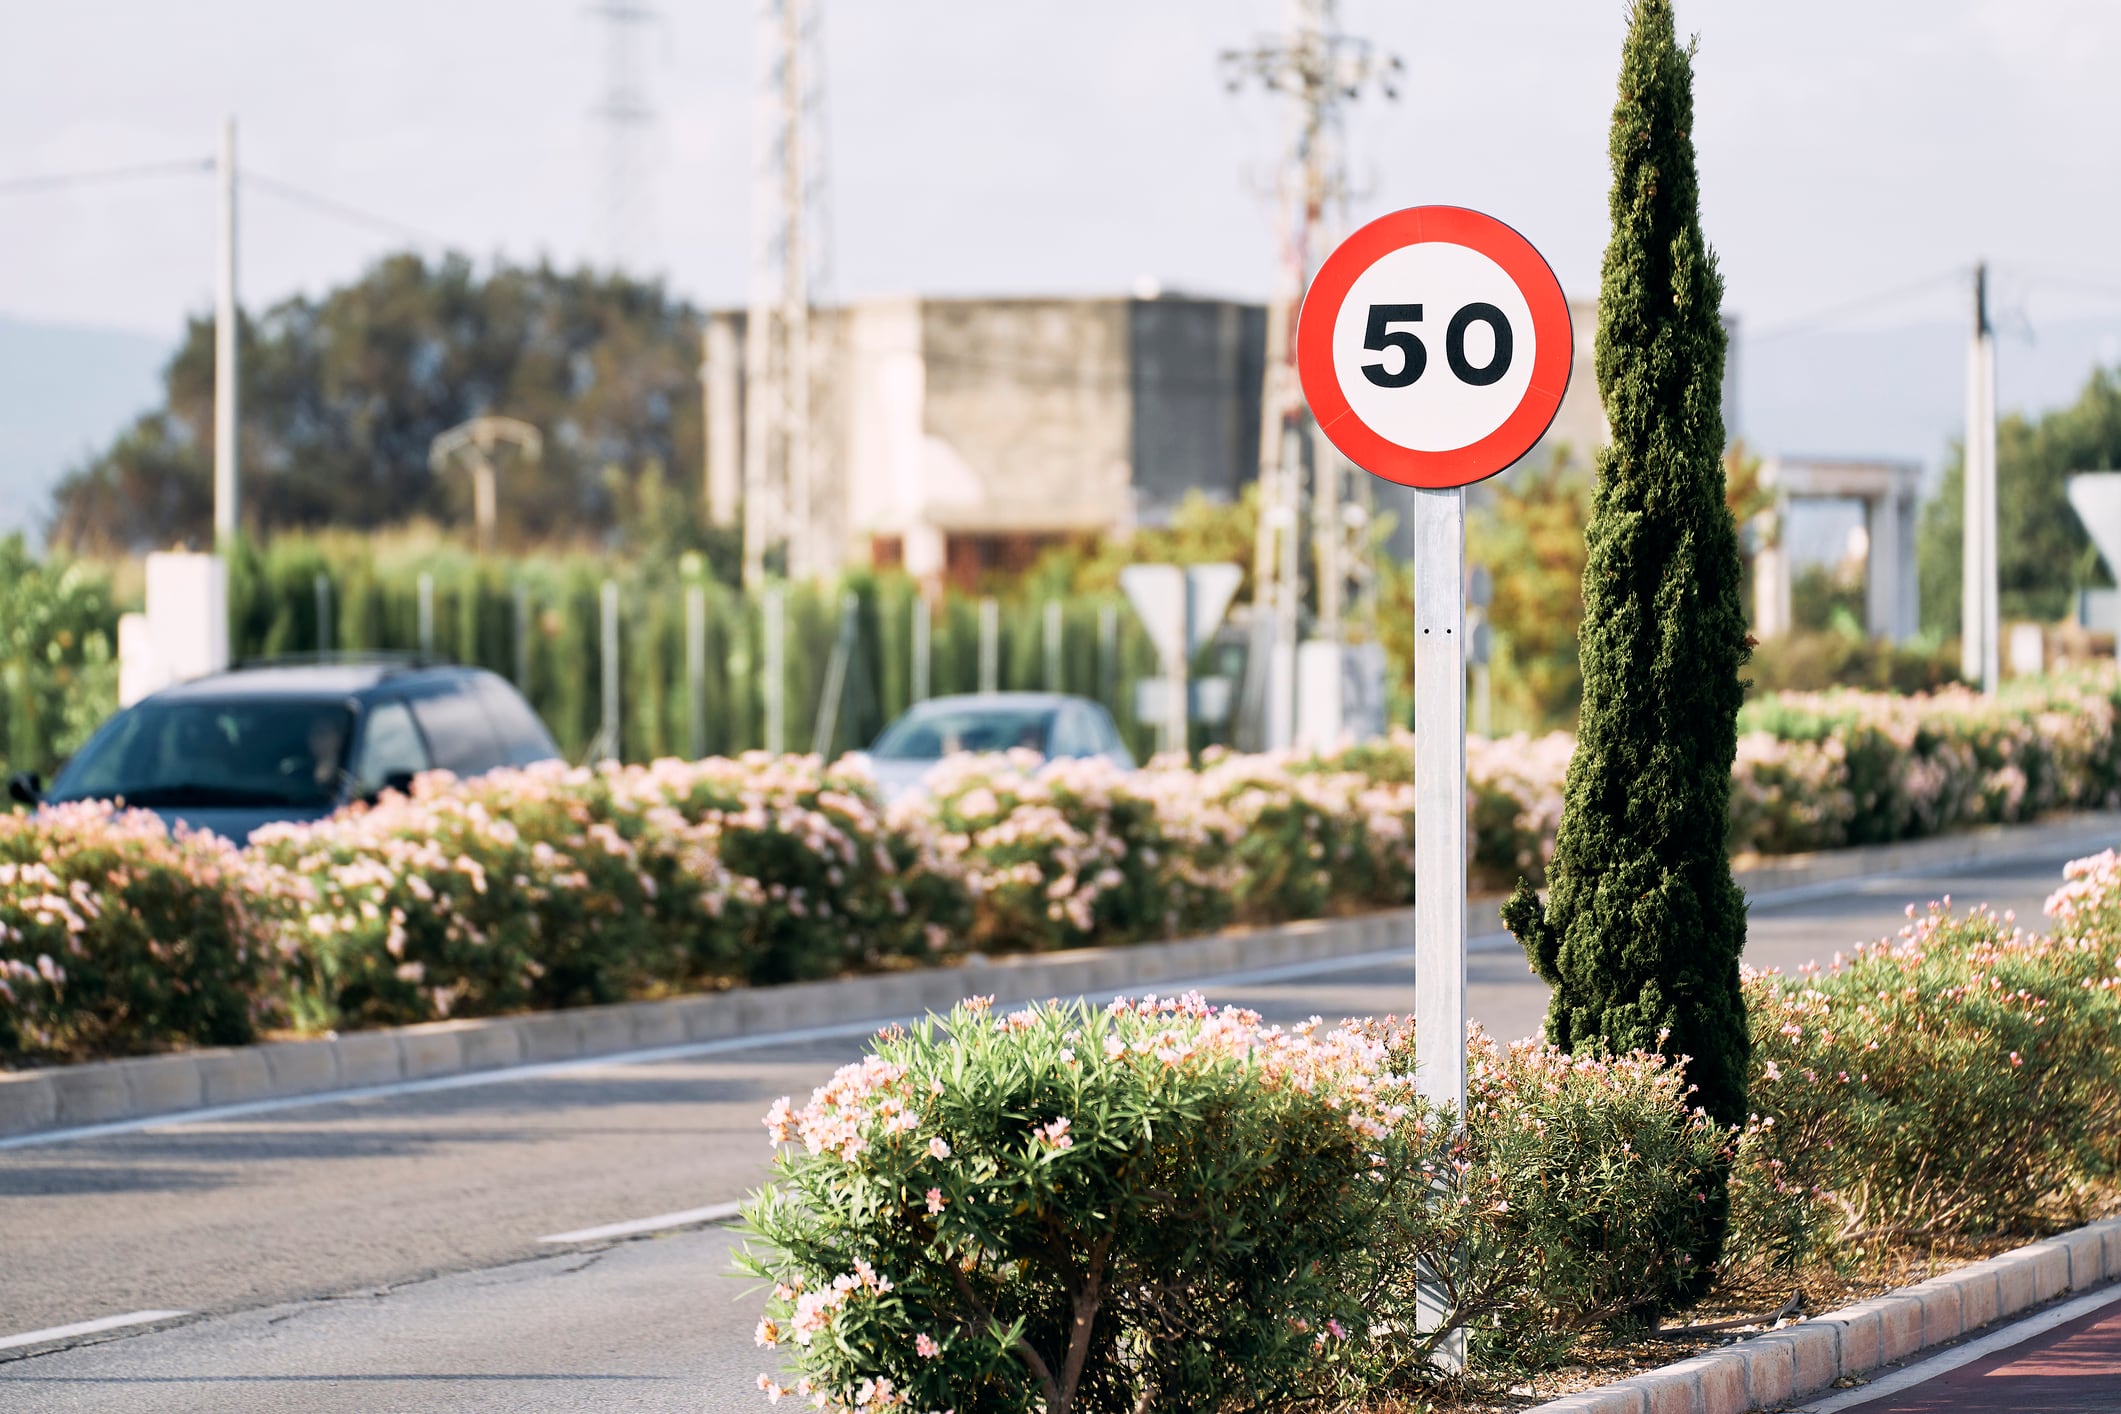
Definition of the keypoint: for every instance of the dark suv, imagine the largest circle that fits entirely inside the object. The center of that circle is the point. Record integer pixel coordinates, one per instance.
(282, 741)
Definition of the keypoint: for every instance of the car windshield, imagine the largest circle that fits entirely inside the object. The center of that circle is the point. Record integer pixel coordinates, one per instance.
(933, 733)
(250, 752)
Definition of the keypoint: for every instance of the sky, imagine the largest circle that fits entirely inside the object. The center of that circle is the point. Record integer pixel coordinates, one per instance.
(1856, 155)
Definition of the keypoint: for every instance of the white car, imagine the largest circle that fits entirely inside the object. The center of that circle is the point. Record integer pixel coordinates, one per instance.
(1050, 723)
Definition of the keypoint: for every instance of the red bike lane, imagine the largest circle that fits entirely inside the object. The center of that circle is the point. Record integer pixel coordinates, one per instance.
(2073, 1369)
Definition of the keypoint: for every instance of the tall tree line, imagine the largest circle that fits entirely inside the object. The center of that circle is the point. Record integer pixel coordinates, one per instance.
(342, 394)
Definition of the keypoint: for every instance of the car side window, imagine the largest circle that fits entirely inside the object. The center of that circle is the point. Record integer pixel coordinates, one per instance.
(1109, 742)
(457, 729)
(523, 737)
(1072, 735)
(390, 746)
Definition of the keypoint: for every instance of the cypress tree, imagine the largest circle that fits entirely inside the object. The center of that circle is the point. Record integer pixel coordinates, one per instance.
(1643, 925)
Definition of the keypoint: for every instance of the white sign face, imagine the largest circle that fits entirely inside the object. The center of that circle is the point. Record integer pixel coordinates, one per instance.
(1434, 346)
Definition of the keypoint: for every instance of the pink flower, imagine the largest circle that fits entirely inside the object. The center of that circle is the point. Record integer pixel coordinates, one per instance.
(924, 1346)
(938, 1148)
(936, 1200)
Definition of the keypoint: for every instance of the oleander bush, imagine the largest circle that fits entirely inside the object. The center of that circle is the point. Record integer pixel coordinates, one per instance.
(945, 1210)
(1963, 1078)
(116, 937)
(1164, 1205)
(1150, 1206)
(1570, 1199)
(556, 886)
(552, 886)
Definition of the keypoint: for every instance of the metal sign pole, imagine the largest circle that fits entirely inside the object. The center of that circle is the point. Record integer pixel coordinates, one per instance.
(1440, 830)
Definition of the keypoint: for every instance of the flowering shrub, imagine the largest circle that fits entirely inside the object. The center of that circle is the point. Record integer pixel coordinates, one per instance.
(1309, 838)
(553, 886)
(1162, 1205)
(1057, 854)
(1964, 1077)
(1823, 770)
(116, 937)
(1147, 1206)
(1571, 1197)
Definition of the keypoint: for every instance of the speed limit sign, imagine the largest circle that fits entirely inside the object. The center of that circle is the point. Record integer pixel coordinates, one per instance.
(1434, 347)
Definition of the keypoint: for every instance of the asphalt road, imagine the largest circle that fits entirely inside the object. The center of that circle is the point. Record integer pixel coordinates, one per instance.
(385, 1253)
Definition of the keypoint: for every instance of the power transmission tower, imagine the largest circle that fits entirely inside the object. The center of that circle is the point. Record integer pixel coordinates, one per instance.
(626, 116)
(1320, 71)
(786, 510)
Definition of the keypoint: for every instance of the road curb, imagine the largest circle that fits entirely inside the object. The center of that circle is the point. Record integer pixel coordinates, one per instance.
(1804, 1359)
(98, 1092)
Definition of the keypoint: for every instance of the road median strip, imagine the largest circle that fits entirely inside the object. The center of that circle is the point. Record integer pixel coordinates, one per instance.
(82, 1097)
(1796, 1361)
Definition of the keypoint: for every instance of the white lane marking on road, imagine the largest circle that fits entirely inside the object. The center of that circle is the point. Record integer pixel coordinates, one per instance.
(108, 1323)
(712, 1213)
(689, 1051)
(1486, 942)
(1908, 1376)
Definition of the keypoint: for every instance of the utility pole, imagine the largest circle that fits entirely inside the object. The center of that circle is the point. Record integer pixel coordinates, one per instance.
(1980, 619)
(1321, 70)
(226, 506)
(783, 485)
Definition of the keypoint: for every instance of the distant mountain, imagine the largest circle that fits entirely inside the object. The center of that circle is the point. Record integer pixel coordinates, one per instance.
(64, 390)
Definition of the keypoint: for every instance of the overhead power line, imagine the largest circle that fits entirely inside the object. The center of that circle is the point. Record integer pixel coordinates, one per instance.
(300, 196)
(59, 181)
(1955, 275)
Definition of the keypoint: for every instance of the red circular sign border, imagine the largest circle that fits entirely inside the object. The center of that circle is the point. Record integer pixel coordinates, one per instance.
(1552, 365)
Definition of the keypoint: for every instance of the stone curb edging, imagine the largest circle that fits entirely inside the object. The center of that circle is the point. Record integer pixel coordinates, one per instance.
(100, 1092)
(1790, 873)
(1768, 1370)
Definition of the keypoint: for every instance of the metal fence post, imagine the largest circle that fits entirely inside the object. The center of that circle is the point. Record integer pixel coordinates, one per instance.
(1108, 656)
(522, 637)
(922, 646)
(324, 638)
(427, 614)
(990, 648)
(696, 667)
(608, 734)
(1052, 636)
(828, 709)
(774, 689)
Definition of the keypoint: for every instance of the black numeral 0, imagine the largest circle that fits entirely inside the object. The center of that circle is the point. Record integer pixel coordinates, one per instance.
(1413, 358)
(1454, 344)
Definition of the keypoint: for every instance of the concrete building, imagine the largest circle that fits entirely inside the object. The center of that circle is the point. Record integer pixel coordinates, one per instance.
(967, 435)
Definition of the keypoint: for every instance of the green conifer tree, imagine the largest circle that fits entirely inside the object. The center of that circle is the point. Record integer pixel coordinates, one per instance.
(1643, 925)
